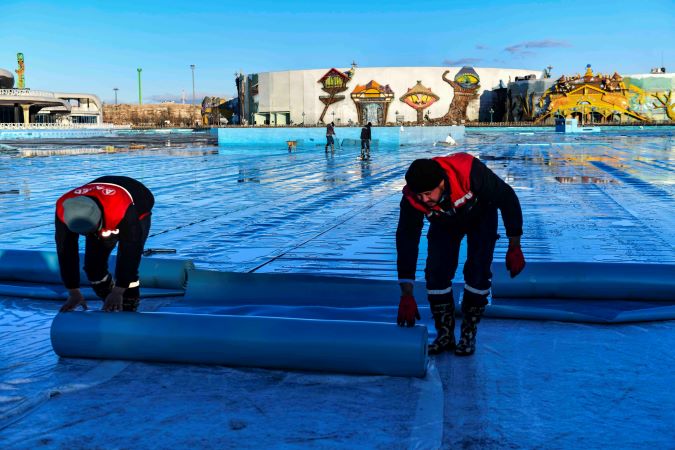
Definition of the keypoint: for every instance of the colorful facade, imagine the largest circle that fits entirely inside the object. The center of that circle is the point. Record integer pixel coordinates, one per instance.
(381, 95)
(594, 98)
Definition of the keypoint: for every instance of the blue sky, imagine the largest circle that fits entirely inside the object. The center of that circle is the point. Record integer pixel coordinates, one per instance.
(93, 47)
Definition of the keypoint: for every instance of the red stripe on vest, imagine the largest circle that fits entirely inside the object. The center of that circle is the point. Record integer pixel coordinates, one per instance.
(457, 168)
(114, 199)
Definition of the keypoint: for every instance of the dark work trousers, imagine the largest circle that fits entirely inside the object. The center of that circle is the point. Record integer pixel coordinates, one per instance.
(444, 242)
(97, 253)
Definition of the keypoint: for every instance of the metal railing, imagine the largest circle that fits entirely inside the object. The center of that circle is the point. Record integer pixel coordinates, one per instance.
(59, 126)
(25, 93)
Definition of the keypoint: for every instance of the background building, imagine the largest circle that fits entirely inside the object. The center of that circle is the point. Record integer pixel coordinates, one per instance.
(23, 107)
(593, 98)
(376, 94)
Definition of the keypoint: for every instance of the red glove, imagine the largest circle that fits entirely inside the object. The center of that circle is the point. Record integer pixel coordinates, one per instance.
(515, 261)
(407, 311)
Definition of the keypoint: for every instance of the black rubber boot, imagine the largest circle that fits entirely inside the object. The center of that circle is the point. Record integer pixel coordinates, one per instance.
(469, 328)
(444, 321)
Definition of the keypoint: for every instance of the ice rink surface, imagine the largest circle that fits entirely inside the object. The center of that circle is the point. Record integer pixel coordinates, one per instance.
(602, 197)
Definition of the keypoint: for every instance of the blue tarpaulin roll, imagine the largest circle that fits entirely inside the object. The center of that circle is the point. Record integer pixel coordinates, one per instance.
(620, 281)
(35, 274)
(267, 342)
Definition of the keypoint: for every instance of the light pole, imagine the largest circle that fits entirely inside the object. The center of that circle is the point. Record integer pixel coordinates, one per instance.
(303, 118)
(333, 116)
(140, 98)
(192, 66)
(492, 111)
(116, 89)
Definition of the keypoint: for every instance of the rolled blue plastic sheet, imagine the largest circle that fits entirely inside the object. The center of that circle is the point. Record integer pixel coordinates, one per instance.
(266, 342)
(334, 297)
(231, 288)
(650, 282)
(43, 267)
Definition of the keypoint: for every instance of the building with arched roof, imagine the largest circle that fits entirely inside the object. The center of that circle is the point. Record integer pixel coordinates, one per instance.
(26, 107)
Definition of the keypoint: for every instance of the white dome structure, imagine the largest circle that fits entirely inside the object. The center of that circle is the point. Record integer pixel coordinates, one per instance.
(6, 79)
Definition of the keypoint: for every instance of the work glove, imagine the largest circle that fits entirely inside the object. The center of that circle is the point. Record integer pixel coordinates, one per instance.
(113, 302)
(75, 299)
(407, 311)
(515, 261)
(102, 288)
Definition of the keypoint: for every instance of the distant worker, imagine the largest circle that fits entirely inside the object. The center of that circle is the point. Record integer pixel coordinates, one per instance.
(330, 133)
(106, 211)
(460, 197)
(366, 136)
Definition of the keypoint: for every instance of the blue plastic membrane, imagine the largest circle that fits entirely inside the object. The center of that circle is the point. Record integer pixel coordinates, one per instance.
(279, 343)
(35, 274)
(573, 292)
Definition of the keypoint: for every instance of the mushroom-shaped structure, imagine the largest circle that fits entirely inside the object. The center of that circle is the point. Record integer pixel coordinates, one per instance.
(6, 79)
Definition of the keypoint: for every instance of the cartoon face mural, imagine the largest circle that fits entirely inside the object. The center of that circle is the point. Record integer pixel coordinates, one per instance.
(333, 83)
(465, 85)
(467, 78)
(372, 102)
(419, 98)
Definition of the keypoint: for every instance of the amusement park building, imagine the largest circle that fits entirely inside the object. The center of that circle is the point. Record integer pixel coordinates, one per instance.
(375, 94)
(23, 107)
(593, 97)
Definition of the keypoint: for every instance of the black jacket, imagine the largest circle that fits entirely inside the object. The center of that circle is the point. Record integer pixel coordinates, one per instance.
(130, 237)
(365, 133)
(488, 189)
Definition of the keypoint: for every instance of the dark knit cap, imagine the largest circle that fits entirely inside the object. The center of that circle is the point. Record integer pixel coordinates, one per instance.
(81, 214)
(424, 175)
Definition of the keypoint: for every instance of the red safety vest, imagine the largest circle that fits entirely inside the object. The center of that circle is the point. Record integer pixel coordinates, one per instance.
(457, 168)
(114, 200)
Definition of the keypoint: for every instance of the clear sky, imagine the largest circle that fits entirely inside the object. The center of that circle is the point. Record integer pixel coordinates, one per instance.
(92, 47)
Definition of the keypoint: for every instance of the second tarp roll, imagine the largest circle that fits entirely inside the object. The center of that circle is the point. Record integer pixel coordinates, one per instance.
(267, 342)
(621, 281)
(43, 267)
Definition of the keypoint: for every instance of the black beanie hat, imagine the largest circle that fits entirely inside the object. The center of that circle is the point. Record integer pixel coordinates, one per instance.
(424, 175)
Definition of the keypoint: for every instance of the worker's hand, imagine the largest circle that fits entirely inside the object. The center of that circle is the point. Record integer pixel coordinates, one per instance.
(407, 311)
(515, 261)
(113, 302)
(75, 299)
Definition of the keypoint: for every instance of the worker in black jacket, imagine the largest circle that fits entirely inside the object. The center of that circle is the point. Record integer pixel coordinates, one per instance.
(107, 211)
(460, 197)
(366, 137)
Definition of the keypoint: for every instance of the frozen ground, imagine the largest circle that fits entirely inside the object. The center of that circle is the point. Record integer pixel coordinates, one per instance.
(600, 197)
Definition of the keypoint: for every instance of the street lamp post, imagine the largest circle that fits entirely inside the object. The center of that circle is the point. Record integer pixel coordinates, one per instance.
(116, 89)
(192, 66)
(140, 98)
(492, 111)
(333, 116)
(303, 118)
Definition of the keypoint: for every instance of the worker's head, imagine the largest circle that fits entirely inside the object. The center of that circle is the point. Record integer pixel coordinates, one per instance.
(426, 179)
(370, 124)
(81, 214)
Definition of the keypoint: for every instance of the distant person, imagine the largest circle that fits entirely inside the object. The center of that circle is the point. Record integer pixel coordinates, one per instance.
(107, 211)
(460, 197)
(330, 133)
(366, 136)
